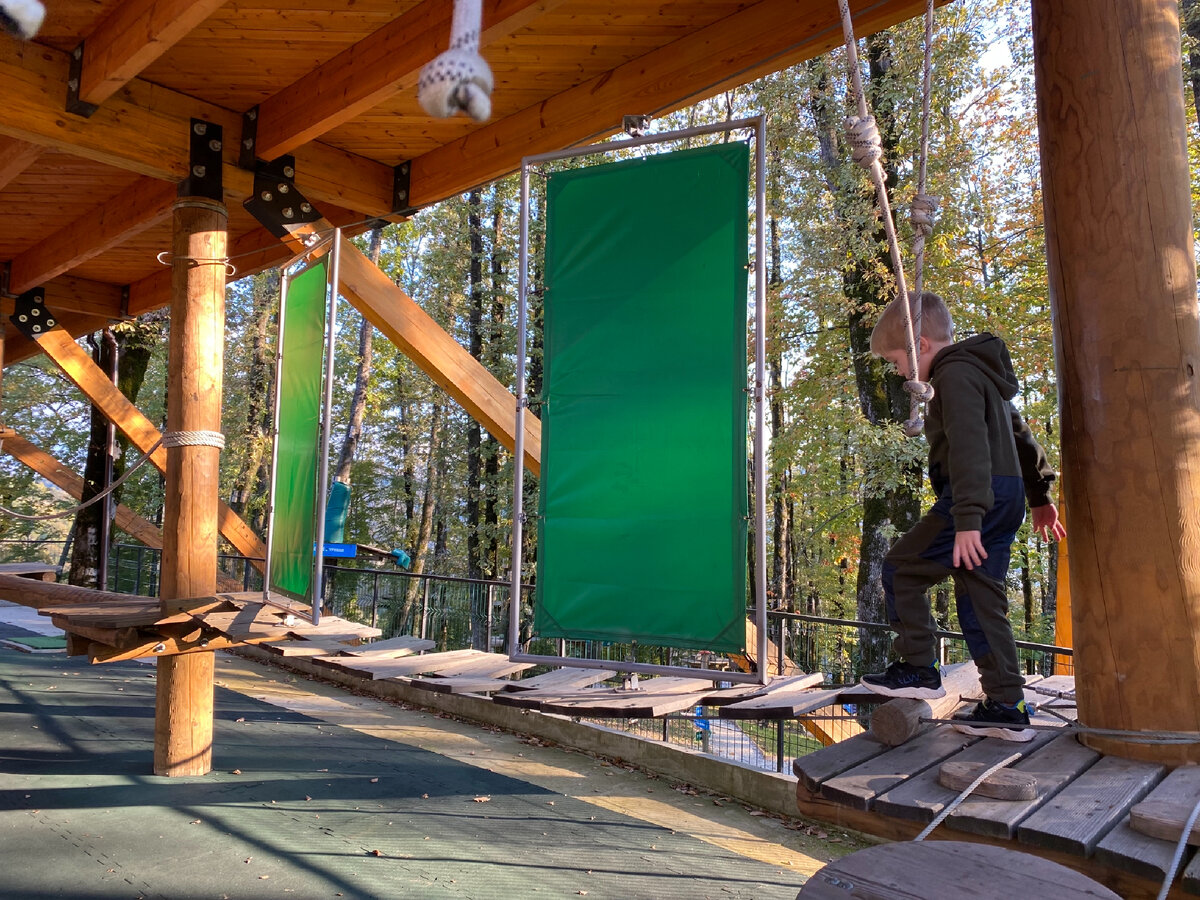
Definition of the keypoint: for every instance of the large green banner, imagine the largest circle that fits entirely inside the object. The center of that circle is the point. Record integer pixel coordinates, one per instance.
(299, 421)
(642, 528)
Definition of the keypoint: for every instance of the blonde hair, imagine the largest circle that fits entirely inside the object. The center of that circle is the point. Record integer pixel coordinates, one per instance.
(936, 324)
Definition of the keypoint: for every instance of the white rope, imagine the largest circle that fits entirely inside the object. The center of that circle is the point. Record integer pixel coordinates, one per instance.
(866, 147)
(1177, 858)
(953, 804)
(96, 499)
(459, 79)
(22, 17)
(194, 439)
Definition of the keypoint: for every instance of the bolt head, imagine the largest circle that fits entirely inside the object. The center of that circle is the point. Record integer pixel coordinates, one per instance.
(214, 146)
(199, 171)
(200, 127)
(282, 188)
(289, 213)
(289, 172)
(267, 196)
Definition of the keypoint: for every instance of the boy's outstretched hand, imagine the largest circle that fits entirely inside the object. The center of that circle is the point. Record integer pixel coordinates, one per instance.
(1047, 523)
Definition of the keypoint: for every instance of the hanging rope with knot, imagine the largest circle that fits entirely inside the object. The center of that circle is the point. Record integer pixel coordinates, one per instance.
(459, 79)
(862, 133)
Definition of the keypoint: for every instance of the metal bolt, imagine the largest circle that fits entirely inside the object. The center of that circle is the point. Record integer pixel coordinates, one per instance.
(37, 329)
(199, 171)
(267, 196)
(288, 213)
(214, 146)
(282, 188)
(160, 647)
(50, 323)
(252, 114)
(35, 312)
(289, 172)
(404, 168)
(305, 207)
(22, 318)
(78, 52)
(401, 195)
(73, 85)
(248, 143)
(200, 127)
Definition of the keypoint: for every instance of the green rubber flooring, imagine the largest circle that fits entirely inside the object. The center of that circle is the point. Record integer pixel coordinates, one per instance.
(298, 807)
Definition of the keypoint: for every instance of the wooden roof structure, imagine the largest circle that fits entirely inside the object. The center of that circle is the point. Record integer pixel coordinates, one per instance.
(86, 196)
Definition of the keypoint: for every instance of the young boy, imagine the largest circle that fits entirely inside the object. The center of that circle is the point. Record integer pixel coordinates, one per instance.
(983, 464)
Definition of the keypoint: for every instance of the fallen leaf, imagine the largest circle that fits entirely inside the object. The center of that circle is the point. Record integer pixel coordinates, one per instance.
(195, 821)
(374, 781)
(482, 799)
(377, 853)
(236, 772)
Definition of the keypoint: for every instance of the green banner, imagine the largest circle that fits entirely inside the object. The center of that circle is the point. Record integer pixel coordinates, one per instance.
(642, 528)
(295, 472)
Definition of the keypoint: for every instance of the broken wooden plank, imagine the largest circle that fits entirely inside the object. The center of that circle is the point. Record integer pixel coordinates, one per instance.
(858, 787)
(1054, 766)
(1076, 818)
(922, 796)
(1167, 808)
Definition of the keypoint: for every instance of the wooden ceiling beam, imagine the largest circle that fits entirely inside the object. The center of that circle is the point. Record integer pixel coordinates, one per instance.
(15, 157)
(765, 37)
(131, 37)
(144, 129)
(364, 75)
(142, 205)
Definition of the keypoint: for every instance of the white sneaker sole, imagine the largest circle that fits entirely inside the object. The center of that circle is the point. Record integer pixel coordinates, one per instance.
(1020, 735)
(913, 693)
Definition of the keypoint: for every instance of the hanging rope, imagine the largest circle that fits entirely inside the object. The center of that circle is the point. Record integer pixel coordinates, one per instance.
(459, 79)
(862, 132)
(96, 499)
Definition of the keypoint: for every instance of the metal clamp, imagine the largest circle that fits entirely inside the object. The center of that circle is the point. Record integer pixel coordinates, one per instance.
(30, 314)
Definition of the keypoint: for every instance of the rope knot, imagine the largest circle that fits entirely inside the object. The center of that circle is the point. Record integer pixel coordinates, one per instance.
(921, 391)
(914, 427)
(923, 213)
(459, 79)
(865, 144)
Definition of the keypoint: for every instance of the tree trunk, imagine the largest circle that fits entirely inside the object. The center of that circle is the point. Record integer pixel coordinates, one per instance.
(420, 550)
(89, 544)
(779, 488)
(362, 379)
(251, 481)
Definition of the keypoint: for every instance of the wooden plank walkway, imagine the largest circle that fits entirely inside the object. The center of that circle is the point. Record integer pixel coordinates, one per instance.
(1089, 807)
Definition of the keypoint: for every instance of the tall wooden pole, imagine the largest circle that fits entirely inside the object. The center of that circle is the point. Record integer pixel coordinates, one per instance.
(183, 724)
(1123, 293)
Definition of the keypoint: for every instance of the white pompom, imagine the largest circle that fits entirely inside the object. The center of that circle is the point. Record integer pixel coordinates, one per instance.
(22, 17)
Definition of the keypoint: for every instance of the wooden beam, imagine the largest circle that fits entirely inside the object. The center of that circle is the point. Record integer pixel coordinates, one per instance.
(197, 648)
(144, 129)
(367, 73)
(132, 36)
(15, 157)
(142, 205)
(56, 473)
(765, 37)
(1112, 125)
(48, 594)
(87, 376)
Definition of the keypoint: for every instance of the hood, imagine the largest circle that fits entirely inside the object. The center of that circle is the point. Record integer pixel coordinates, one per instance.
(985, 352)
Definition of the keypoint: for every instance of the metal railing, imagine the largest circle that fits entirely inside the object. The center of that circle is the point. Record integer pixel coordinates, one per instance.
(458, 613)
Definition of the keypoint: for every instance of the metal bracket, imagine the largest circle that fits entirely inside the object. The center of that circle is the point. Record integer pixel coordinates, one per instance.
(247, 154)
(74, 76)
(636, 126)
(204, 162)
(401, 176)
(30, 314)
(276, 203)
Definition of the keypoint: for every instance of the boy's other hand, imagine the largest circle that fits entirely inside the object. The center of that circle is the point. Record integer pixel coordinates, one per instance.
(1047, 523)
(968, 549)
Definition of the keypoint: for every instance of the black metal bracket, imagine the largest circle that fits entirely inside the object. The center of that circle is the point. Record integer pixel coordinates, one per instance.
(74, 75)
(30, 314)
(204, 162)
(247, 155)
(276, 203)
(401, 176)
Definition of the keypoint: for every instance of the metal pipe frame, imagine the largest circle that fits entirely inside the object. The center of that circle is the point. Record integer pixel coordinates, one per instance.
(326, 427)
(284, 280)
(758, 125)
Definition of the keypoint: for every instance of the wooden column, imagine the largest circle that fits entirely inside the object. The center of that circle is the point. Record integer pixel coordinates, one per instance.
(183, 724)
(1123, 293)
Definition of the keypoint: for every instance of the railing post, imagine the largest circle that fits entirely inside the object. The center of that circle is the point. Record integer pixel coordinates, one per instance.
(375, 602)
(491, 589)
(137, 581)
(779, 744)
(424, 608)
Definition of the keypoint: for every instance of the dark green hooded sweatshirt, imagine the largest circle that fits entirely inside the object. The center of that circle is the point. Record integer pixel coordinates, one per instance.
(974, 432)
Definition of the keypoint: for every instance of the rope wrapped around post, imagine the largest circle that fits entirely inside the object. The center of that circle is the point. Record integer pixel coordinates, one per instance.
(459, 79)
(862, 133)
(194, 439)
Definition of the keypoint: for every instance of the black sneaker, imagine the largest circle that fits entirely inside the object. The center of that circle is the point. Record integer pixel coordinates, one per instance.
(989, 719)
(903, 680)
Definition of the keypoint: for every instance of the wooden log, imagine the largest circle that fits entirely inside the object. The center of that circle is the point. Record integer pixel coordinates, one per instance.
(1003, 784)
(46, 594)
(899, 720)
(1122, 280)
(183, 718)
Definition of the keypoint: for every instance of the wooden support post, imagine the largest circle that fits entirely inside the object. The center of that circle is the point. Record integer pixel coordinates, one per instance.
(183, 723)
(1123, 292)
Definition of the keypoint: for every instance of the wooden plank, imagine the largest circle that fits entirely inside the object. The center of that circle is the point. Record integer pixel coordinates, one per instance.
(333, 625)
(1076, 818)
(785, 705)
(391, 668)
(133, 35)
(304, 648)
(372, 70)
(404, 645)
(87, 376)
(655, 697)
(487, 665)
(115, 637)
(858, 787)
(36, 571)
(908, 871)
(167, 647)
(564, 679)
(922, 796)
(814, 768)
(144, 204)
(1130, 851)
(1191, 876)
(461, 684)
(831, 724)
(15, 157)
(1167, 808)
(1053, 766)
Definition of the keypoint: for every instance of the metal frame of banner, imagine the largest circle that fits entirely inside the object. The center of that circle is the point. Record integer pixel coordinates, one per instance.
(756, 125)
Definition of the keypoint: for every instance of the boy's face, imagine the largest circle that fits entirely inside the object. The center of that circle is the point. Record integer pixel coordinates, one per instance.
(899, 359)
